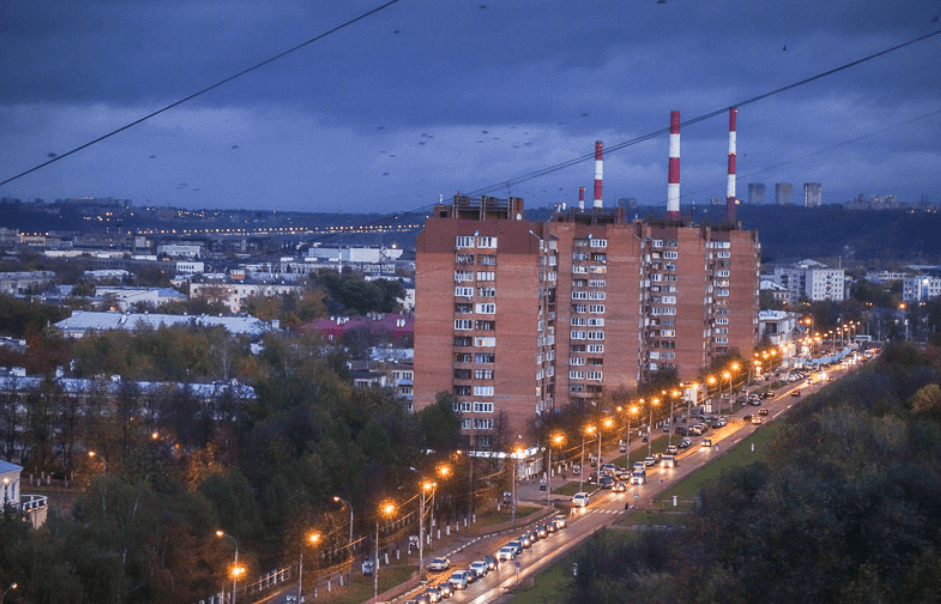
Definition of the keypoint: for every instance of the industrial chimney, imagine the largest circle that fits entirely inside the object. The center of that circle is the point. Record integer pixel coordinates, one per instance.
(581, 198)
(730, 189)
(673, 172)
(598, 175)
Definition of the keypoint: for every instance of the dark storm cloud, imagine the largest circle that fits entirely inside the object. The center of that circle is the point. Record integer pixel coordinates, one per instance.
(310, 126)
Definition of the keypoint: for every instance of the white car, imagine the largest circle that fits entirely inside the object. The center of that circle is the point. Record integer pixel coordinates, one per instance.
(480, 567)
(458, 579)
(439, 565)
(580, 500)
(506, 553)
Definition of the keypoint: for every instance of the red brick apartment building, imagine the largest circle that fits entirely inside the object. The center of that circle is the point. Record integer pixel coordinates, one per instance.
(523, 317)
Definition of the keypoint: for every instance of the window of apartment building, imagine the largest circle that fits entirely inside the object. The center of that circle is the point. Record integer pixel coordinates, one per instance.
(722, 273)
(598, 270)
(669, 266)
(579, 269)
(596, 283)
(596, 362)
(578, 321)
(461, 406)
(552, 276)
(486, 308)
(722, 321)
(462, 390)
(466, 423)
(656, 277)
(598, 242)
(464, 242)
(484, 357)
(600, 258)
(596, 376)
(667, 333)
(464, 309)
(722, 293)
(669, 310)
(667, 344)
(670, 255)
(485, 325)
(595, 322)
(487, 242)
(669, 277)
(667, 355)
(579, 255)
(463, 357)
(483, 390)
(463, 292)
(595, 335)
(596, 309)
(669, 299)
(578, 295)
(576, 361)
(464, 259)
(482, 407)
(552, 261)
(722, 311)
(485, 342)
(486, 275)
(657, 243)
(655, 311)
(483, 423)
(579, 283)
(463, 276)
(487, 260)
(667, 322)
(579, 308)
(722, 340)
(463, 324)
(577, 348)
(462, 341)
(596, 295)
(722, 330)
(550, 355)
(462, 374)
(550, 371)
(580, 243)
(483, 374)
(723, 254)
(578, 335)
(487, 292)
(596, 348)
(576, 374)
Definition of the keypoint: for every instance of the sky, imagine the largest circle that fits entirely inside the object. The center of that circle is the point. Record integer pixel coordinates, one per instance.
(425, 98)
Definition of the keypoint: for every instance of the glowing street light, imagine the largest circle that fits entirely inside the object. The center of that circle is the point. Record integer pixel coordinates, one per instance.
(236, 570)
(387, 509)
(557, 439)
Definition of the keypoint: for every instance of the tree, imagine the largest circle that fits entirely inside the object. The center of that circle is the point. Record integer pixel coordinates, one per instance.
(927, 402)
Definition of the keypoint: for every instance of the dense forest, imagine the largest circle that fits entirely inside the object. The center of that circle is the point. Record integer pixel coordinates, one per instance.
(845, 509)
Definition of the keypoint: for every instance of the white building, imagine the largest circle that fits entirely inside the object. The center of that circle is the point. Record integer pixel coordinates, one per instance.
(354, 255)
(180, 250)
(126, 297)
(920, 288)
(82, 323)
(22, 282)
(32, 507)
(812, 281)
(776, 326)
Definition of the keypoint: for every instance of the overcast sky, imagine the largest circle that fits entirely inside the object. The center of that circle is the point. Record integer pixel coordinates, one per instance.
(428, 97)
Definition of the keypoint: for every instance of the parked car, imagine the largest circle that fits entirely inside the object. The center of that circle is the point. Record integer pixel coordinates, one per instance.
(755, 402)
(439, 565)
(580, 500)
(459, 579)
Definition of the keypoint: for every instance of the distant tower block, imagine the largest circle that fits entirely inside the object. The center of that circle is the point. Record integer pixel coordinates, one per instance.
(599, 175)
(673, 172)
(756, 192)
(782, 193)
(812, 196)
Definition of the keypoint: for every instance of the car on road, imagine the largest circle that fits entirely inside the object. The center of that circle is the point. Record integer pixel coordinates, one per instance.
(747, 418)
(672, 450)
(446, 589)
(684, 443)
(755, 402)
(619, 487)
(459, 579)
(765, 395)
(650, 460)
(706, 443)
(762, 412)
(607, 482)
(668, 461)
(682, 430)
(506, 553)
(541, 531)
(526, 540)
(432, 594)
(639, 477)
(491, 562)
(580, 500)
(480, 567)
(515, 544)
(719, 422)
(439, 565)
(560, 521)
(639, 465)
(757, 420)
(795, 392)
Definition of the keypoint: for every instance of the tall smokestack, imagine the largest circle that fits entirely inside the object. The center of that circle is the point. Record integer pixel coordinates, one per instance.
(581, 198)
(673, 173)
(599, 172)
(730, 189)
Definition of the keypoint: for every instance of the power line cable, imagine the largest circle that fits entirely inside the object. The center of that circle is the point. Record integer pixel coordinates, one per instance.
(205, 90)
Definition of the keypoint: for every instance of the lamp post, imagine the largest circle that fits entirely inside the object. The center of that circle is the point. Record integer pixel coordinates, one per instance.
(653, 403)
(104, 462)
(581, 472)
(627, 458)
(350, 546)
(425, 487)
(387, 509)
(607, 424)
(728, 375)
(673, 395)
(557, 438)
(517, 453)
(300, 573)
(4, 594)
(235, 568)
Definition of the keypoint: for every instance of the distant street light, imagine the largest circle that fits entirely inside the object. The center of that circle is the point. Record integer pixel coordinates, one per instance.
(235, 568)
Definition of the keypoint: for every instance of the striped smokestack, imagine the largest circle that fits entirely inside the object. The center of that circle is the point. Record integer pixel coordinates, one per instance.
(599, 173)
(730, 189)
(581, 198)
(673, 173)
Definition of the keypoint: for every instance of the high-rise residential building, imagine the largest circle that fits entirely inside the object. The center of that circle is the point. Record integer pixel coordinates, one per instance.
(782, 193)
(517, 318)
(756, 192)
(812, 197)
(811, 280)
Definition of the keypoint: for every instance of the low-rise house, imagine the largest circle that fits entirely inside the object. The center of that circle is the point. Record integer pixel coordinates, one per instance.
(33, 508)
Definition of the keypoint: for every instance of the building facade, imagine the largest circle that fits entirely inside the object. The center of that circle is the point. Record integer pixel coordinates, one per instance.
(921, 288)
(812, 281)
(782, 193)
(756, 192)
(812, 194)
(517, 318)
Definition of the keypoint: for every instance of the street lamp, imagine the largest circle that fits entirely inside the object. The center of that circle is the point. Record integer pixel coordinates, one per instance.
(235, 568)
(350, 546)
(627, 458)
(4, 594)
(104, 462)
(425, 487)
(387, 509)
(517, 453)
(589, 430)
(314, 539)
(673, 395)
(608, 422)
(558, 439)
(653, 403)
(728, 375)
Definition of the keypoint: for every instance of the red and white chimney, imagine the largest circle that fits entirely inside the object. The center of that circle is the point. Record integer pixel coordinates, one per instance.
(730, 188)
(581, 198)
(673, 173)
(599, 175)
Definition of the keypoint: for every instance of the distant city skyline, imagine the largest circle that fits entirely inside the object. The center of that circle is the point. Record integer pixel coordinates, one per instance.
(421, 100)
